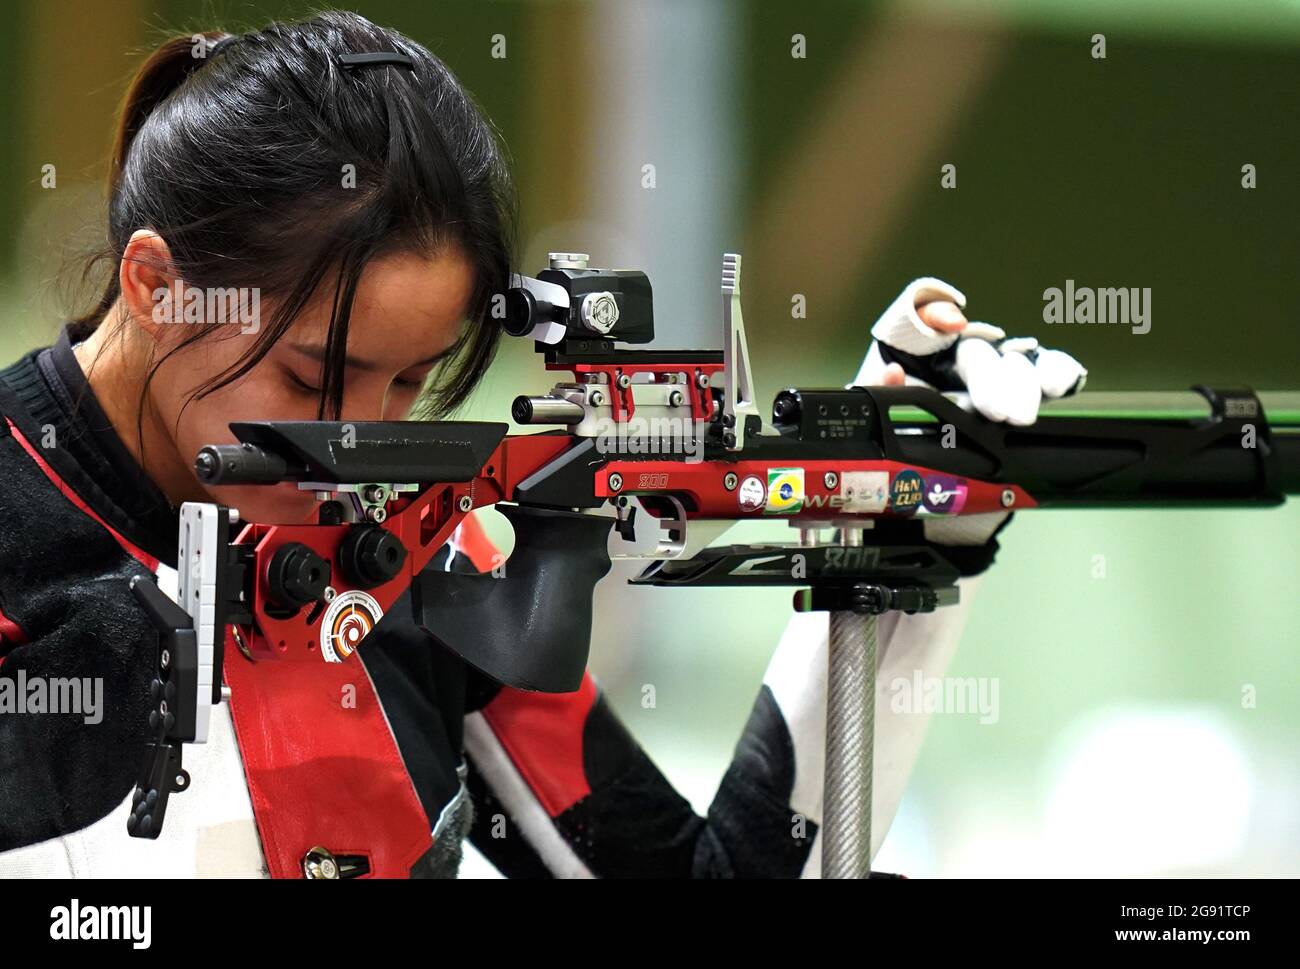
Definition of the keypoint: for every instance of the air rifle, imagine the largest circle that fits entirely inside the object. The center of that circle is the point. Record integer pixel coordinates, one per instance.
(678, 436)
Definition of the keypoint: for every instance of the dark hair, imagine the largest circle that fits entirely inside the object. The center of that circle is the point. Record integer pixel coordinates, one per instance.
(236, 158)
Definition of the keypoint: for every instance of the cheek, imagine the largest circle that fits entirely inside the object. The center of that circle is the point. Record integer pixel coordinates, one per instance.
(400, 402)
(206, 421)
(255, 397)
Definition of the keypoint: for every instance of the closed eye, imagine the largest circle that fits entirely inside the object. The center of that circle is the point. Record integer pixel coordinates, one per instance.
(301, 386)
(415, 383)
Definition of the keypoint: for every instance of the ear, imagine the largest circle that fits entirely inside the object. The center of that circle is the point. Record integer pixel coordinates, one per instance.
(147, 280)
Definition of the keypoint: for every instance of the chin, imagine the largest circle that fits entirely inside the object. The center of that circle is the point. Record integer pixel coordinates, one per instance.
(268, 504)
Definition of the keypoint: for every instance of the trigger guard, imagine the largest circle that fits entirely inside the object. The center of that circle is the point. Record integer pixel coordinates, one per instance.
(666, 546)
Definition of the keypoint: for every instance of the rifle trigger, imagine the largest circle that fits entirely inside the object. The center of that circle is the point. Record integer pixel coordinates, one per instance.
(626, 525)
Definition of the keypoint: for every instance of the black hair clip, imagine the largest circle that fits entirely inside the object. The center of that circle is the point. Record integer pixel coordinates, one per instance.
(351, 62)
(217, 47)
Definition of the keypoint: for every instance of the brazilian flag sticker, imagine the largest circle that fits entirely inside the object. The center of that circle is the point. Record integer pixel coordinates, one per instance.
(784, 491)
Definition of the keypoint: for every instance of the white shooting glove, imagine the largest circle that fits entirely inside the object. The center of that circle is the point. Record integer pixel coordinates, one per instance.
(1003, 379)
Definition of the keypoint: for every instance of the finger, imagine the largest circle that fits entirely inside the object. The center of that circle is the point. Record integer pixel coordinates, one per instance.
(893, 376)
(1002, 388)
(1059, 373)
(1021, 391)
(978, 364)
(942, 315)
(1019, 344)
(985, 331)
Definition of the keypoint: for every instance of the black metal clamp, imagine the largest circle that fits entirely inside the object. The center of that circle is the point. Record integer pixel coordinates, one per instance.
(172, 695)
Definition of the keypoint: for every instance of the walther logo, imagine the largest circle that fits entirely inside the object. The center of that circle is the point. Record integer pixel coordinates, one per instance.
(97, 923)
(826, 501)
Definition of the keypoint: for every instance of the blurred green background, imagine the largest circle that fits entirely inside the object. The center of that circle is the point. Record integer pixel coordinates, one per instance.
(1122, 746)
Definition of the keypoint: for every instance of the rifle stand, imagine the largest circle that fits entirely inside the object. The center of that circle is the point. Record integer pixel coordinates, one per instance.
(854, 581)
(850, 745)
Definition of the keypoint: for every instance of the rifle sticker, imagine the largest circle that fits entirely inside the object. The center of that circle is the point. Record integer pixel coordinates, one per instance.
(905, 495)
(944, 495)
(349, 619)
(784, 491)
(751, 494)
(864, 492)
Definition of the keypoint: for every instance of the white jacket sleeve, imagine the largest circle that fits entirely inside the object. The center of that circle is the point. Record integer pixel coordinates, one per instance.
(921, 644)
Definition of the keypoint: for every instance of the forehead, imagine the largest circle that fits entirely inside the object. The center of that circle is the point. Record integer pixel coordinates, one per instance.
(407, 306)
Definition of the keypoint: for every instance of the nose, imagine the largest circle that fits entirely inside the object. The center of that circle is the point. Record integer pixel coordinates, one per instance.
(371, 401)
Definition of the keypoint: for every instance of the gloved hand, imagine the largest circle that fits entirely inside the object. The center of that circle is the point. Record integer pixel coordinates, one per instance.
(923, 339)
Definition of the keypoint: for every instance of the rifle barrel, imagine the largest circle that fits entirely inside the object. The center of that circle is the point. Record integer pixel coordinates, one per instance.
(1282, 407)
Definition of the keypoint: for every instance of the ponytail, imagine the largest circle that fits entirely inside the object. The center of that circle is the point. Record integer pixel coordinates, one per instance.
(166, 70)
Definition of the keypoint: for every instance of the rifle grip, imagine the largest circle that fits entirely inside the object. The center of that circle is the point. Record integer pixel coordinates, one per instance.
(529, 626)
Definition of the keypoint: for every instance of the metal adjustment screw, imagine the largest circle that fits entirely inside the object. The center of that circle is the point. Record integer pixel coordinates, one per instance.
(871, 600)
(166, 659)
(599, 312)
(702, 380)
(729, 438)
(597, 398)
(330, 593)
(466, 503)
(567, 260)
(728, 420)
(831, 479)
(1008, 497)
(376, 493)
(675, 399)
(729, 481)
(319, 863)
(377, 514)
(624, 381)
(615, 482)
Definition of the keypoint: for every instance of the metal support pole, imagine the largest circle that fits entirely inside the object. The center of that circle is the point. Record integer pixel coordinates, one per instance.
(850, 745)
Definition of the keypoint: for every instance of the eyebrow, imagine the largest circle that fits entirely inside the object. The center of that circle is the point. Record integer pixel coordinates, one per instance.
(318, 354)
